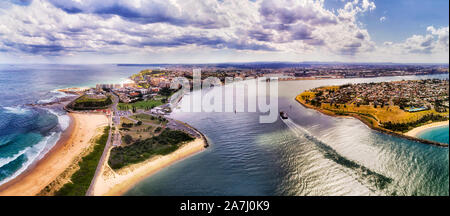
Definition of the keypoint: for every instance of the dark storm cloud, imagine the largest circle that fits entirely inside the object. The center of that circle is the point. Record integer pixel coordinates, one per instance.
(427, 42)
(213, 42)
(273, 12)
(351, 49)
(360, 36)
(20, 2)
(152, 11)
(260, 35)
(36, 48)
(315, 42)
(301, 33)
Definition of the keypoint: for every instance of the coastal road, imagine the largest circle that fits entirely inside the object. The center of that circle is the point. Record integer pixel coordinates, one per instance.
(98, 170)
(100, 163)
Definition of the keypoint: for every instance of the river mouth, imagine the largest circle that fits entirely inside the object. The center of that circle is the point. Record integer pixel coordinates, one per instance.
(331, 156)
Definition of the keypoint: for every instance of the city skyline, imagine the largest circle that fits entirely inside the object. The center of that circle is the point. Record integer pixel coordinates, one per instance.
(72, 32)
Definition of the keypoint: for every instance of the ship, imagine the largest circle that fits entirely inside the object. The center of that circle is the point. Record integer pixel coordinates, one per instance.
(283, 115)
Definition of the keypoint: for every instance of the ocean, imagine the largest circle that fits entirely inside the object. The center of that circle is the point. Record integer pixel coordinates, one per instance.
(438, 134)
(310, 154)
(27, 133)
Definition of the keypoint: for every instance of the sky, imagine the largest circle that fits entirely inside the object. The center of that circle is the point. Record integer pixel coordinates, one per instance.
(216, 31)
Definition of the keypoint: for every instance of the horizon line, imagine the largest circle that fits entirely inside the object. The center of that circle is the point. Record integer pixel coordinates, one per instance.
(249, 62)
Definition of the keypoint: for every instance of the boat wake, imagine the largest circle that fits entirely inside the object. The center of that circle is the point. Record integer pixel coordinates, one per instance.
(375, 181)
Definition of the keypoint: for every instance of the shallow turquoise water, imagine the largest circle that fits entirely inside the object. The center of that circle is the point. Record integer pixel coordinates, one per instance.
(438, 134)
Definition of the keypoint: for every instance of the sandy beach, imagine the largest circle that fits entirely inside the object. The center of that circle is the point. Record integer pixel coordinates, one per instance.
(114, 183)
(414, 132)
(74, 140)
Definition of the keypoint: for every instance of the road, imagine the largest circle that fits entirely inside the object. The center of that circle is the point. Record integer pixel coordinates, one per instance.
(106, 149)
(115, 140)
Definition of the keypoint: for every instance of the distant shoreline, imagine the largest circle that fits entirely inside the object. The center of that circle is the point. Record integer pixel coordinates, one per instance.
(416, 131)
(370, 125)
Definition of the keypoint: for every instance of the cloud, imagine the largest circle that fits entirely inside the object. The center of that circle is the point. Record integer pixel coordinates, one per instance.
(289, 12)
(383, 19)
(214, 42)
(47, 49)
(442, 35)
(203, 14)
(19, 2)
(435, 42)
(296, 27)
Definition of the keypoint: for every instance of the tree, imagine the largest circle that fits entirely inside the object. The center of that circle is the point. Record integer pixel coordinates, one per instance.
(165, 91)
(128, 139)
(139, 123)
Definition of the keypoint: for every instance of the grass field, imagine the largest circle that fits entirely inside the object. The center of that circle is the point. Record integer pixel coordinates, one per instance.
(81, 179)
(146, 105)
(149, 119)
(137, 131)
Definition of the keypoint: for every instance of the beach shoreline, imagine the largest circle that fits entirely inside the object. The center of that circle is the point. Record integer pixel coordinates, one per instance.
(371, 125)
(73, 141)
(41, 175)
(116, 183)
(416, 131)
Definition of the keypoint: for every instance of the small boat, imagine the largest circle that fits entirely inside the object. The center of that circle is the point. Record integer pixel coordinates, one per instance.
(283, 115)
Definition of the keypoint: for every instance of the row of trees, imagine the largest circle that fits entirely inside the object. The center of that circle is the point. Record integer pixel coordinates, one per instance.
(404, 127)
(141, 150)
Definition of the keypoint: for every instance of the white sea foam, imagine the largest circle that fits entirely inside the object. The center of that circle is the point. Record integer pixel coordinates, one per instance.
(16, 110)
(56, 94)
(63, 119)
(35, 153)
(7, 160)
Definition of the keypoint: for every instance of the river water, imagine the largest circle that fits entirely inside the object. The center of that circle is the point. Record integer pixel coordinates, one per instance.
(308, 154)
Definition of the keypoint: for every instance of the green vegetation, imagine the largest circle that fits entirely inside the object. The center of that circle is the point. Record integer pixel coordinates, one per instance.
(149, 118)
(167, 92)
(404, 127)
(88, 103)
(145, 105)
(134, 130)
(127, 125)
(128, 139)
(82, 178)
(165, 143)
(389, 117)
